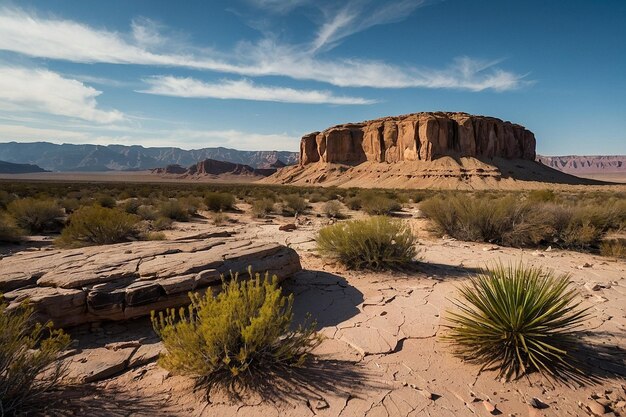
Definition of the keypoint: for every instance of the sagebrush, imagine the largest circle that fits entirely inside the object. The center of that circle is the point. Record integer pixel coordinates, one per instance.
(378, 242)
(35, 216)
(97, 225)
(243, 333)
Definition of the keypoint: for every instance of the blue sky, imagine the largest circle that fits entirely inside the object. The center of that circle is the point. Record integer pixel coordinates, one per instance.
(258, 74)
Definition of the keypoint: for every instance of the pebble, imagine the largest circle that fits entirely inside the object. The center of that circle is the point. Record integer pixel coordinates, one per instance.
(492, 409)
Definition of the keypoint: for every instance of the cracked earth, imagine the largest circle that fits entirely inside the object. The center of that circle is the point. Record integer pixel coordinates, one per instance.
(382, 355)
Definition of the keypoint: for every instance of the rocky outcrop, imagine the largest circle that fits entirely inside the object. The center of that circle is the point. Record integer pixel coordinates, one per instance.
(211, 167)
(127, 280)
(580, 164)
(418, 137)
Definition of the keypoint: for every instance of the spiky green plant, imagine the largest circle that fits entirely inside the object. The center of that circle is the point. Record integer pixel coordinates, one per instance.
(242, 333)
(376, 243)
(517, 319)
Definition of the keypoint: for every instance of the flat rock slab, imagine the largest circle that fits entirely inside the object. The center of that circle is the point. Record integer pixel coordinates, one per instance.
(128, 280)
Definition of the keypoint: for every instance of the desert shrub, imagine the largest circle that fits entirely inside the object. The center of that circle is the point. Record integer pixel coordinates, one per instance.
(261, 208)
(36, 215)
(374, 243)
(374, 203)
(97, 225)
(216, 201)
(242, 333)
(9, 232)
(317, 197)
(69, 204)
(541, 195)
(5, 199)
(294, 204)
(517, 319)
(614, 247)
(154, 236)
(353, 203)
(105, 200)
(162, 223)
(191, 204)
(333, 210)
(132, 206)
(220, 219)
(29, 369)
(173, 209)
(147, 213)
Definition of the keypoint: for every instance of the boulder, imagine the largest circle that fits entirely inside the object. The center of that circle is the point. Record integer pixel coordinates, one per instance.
(128, 280)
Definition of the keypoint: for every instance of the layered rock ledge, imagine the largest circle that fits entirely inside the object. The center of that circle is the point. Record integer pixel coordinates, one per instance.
(128, 280)
(418, 136)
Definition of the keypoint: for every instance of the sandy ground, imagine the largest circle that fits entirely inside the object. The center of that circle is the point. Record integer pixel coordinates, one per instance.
(383, 354)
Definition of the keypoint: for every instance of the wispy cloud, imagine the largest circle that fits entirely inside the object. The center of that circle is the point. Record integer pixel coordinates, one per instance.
(68, 40)
(41, 90)
(242, 89)
(358, 15)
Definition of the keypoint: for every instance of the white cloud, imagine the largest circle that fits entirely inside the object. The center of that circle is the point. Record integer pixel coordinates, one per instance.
(355, 17)
(44, 91)
(242, 89)
(67, 40)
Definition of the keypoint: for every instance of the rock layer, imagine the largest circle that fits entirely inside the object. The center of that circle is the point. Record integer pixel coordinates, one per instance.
(418, 137)
(123, 281)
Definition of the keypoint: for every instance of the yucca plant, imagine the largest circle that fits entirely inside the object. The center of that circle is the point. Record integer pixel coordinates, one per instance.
(517, 319)
(243, 333)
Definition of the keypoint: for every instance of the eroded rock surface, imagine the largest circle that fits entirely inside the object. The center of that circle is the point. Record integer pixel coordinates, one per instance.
(123, 281)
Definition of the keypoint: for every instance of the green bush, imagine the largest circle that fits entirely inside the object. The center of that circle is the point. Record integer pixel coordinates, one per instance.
(173, 209)
(373, 203)
(162, 223)
(70, 205)
(216, 201)
(261, 208)
(132, 206)
(333, 210)
(147, 213)
(293, 204)
(242, 333)
(615, 248)
(517, 319)
(106, 200)
(353, 203)
(36, 216)
(97, 225)
(375, 243)
(541, 196)
(9, 232)
(29, 365)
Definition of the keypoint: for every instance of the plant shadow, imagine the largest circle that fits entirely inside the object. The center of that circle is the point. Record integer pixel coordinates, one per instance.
(326, 297)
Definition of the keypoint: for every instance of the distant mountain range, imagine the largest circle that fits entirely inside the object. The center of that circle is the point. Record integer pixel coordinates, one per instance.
(96, 158)
(580, 165)
(11, 168)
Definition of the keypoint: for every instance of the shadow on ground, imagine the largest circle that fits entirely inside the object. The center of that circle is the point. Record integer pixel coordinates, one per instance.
(327, 298)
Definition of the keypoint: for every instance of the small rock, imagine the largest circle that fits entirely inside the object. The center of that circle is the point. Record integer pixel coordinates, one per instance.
(538, 254)
(290, 227)
(596, 408)
(320, 405)
(123, 345)
(492, 409)
(587, 265)
(490, 248)
(549, 249)
(592, 286)
(620, 404)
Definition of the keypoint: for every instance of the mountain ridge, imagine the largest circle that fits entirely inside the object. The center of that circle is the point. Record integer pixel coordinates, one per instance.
(96, 158)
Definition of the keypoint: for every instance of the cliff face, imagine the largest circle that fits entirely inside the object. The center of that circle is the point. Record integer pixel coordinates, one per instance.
(418, 137)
